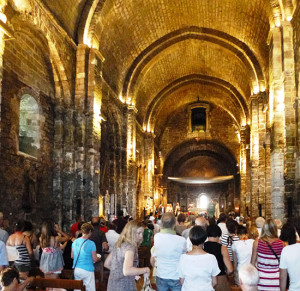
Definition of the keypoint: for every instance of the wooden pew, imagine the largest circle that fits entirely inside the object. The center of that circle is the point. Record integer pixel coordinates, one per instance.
(41, 283)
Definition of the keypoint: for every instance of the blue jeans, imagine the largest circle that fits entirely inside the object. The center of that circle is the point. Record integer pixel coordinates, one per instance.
(167, 284)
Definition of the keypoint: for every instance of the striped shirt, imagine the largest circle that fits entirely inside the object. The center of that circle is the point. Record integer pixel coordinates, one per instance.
(227, 240)
(268, 265)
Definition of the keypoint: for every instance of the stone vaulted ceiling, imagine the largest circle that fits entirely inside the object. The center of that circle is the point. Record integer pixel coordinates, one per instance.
(161, 54)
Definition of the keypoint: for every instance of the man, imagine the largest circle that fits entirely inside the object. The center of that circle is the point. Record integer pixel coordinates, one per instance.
(290, 263)
(186, 232)
(10, 280)
(260, 221)
(112, 236)
(74, 227)
(248, 276)
(3, 233)
(98, 236)
(120, 222)
(201, 221)
(168, 247)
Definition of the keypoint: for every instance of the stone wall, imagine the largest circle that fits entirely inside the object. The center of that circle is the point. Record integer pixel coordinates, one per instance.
(26, 182)
(221, 128)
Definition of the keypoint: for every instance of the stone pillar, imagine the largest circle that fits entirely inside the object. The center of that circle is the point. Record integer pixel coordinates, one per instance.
(262, 107)
(243, 170)
(2, 46)
(131, 163)
(276, 104)
(149, 161)
(58, 161)
(68, 171)
(93, 133)
(289, 84)
(80, 119)
(254, 194)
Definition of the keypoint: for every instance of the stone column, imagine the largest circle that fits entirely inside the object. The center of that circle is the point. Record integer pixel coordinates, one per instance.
(80, 119)
(149, 161)
(58, 161)
(262, 107)
(131, 163)
(2, 46)
(243, 170)
(289, 84)
(68, 171)
(276, 104)
(254, 106)
(93, 133)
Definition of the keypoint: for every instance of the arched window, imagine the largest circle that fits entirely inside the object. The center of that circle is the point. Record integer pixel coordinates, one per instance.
(202, 201)
(29, 126)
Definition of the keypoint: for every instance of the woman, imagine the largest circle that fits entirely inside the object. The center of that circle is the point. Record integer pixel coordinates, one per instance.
(51, 263)
(180, 227)
(123, 259)
(290, 259)
(22, 243)
(197, 269)
(266, 255)
(212, 246)
(242, 250)
(28, 230)
(227, 239)
(84, 256)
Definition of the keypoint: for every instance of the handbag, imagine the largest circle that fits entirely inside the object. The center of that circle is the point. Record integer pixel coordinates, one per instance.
(12, 253)
(147, 284)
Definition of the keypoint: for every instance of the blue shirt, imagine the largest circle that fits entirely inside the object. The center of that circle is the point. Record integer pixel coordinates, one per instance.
(3, 254)
(85, 260)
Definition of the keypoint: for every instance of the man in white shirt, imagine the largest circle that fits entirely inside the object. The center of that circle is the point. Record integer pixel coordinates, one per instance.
(290, 263)
(168, 247)
(112, 236)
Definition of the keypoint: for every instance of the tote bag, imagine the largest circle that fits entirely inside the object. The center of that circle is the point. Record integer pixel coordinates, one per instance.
(12, 253)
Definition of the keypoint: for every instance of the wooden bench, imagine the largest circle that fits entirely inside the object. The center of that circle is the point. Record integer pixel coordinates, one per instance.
(41, 283)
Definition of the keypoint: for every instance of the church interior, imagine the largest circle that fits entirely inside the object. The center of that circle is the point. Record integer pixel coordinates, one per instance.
(140, 106)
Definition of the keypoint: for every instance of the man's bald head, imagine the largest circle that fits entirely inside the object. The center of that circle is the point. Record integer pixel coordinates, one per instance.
(201, 221)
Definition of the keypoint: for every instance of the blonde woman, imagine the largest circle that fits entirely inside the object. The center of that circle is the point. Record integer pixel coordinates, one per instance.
(266, 255)
(123, 259)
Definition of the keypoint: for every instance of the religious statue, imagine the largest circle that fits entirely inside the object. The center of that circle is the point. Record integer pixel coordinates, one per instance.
(211, 208)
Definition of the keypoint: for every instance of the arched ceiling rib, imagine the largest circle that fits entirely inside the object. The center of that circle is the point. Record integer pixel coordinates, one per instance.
(191, 58)
(126, 28)
(185, 94)
(185, 90)
(203, 35)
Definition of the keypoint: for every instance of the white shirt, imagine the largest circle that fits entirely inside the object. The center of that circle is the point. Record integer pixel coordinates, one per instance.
(112, 236)
(197, 272)
(167, 249)
(223, 227)
(3, 254)
(290, 260)
(243, 250)
(186, 233)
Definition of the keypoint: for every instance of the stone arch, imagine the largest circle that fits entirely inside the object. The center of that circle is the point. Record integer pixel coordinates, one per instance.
(240, 49)
(35, 19)
(88, 22)
(192, 79)
(191, 148)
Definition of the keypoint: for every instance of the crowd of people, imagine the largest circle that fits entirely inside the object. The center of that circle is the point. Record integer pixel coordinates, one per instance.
(186, 252)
